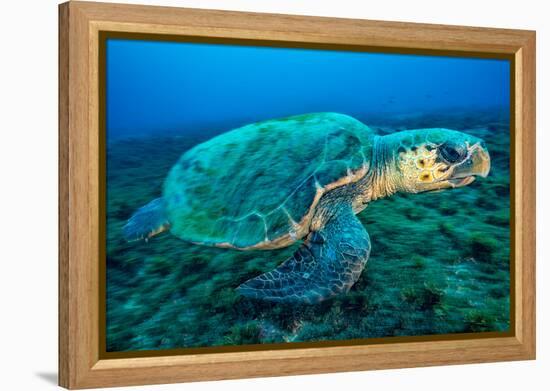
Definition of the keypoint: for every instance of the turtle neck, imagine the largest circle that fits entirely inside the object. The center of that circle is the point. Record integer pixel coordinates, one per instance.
(384, 179)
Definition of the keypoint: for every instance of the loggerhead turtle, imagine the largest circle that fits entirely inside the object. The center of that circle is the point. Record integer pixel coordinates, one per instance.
(269, 184)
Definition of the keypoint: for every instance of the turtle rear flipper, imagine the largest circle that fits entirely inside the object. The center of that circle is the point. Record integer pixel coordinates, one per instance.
(328, 263)
(147, 221)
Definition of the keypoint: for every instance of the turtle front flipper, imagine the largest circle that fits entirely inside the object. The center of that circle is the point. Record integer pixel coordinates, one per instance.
(329, 262)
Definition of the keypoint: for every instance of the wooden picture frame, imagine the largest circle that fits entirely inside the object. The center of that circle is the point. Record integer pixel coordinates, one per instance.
(81, 161)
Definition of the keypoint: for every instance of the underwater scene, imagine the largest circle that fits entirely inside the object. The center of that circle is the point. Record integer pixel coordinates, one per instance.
(355, 200)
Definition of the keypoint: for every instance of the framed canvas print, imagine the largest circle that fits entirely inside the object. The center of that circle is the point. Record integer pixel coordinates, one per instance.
(248, 195)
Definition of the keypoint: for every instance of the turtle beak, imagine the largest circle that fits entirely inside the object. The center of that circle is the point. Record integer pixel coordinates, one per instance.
(477, 163)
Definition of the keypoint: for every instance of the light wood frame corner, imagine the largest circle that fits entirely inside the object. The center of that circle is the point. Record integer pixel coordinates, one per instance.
(80, 23)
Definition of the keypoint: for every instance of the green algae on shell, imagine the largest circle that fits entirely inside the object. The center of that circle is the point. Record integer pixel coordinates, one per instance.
(252, 188)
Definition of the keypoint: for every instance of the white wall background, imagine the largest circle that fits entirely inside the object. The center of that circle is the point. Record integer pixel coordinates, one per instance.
(28, 194)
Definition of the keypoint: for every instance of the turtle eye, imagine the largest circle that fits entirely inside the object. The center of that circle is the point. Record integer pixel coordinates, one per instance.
(451, 153)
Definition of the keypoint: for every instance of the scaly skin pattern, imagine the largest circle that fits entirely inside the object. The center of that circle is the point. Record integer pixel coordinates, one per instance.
(328, 263)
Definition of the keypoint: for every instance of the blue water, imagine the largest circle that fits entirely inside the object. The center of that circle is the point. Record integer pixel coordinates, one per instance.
(439, 262)
(160, 87)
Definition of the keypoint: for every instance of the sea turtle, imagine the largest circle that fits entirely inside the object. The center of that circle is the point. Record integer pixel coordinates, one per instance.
(269, 184)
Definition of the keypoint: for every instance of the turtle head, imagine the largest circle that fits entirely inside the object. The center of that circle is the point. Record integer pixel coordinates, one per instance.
(437, 159)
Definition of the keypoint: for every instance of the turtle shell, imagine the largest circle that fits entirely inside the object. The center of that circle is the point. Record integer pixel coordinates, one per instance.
(257, 186)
